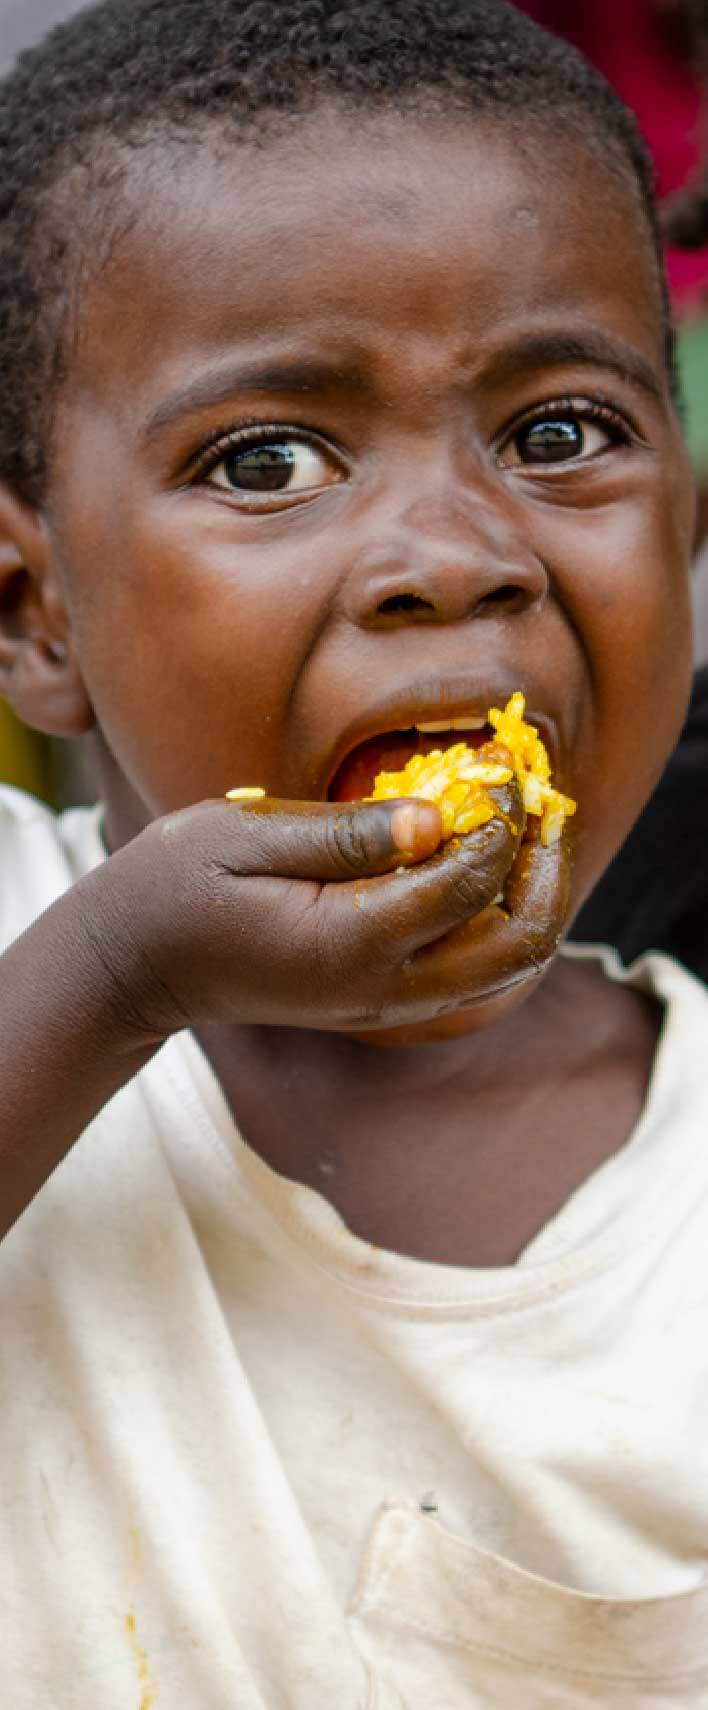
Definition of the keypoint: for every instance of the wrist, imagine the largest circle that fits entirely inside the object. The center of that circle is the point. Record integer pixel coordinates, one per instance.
(118, 923)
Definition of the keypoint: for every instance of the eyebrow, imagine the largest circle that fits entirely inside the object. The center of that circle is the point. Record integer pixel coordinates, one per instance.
(211, 389)
(593, 348)
(538, 350)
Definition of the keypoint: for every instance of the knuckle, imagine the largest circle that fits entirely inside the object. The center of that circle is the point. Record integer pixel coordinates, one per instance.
(180, 826)
(170, 828)
(474, 879)
(468, 889)
(347, 843)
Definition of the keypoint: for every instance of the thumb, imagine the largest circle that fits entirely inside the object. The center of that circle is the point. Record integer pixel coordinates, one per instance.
(330, 840)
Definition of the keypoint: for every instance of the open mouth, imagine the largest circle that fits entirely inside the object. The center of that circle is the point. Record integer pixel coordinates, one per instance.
(430, 759)
(391, 750)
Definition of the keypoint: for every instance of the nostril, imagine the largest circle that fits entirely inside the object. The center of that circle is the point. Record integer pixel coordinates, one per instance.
(508, 595)
(405, 603)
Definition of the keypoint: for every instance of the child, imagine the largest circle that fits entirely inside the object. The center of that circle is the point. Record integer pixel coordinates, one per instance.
(352, 1355)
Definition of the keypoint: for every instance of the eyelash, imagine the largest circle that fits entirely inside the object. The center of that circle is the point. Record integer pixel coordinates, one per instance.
(250, 434)
(596, 409)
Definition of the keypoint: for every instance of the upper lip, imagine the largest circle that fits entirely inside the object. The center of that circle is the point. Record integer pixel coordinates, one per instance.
(435, 699)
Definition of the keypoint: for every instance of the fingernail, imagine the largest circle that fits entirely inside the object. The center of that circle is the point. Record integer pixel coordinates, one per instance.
(416, 828)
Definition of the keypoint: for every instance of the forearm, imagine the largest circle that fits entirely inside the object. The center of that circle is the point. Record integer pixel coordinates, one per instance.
(71, 1037)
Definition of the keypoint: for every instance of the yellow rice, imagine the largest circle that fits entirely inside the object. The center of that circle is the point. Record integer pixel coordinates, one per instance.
(458, 779)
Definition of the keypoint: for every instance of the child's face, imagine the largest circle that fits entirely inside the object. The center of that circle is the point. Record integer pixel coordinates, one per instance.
(369, 426)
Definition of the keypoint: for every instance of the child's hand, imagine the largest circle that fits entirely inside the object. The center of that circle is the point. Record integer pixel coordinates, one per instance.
(336, 916)
(279, 913)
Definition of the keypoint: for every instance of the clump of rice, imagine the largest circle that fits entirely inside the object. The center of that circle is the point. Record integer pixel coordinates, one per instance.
(458, 779)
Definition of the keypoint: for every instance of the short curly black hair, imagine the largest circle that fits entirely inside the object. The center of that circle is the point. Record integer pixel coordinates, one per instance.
(124, 72)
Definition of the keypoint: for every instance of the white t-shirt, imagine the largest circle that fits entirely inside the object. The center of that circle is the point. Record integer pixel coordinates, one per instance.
(249, 1462)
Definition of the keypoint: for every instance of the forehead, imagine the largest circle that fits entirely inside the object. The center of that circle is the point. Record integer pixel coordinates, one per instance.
(452, 233)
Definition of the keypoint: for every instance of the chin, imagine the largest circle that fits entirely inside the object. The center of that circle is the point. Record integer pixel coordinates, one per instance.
(459, 1023)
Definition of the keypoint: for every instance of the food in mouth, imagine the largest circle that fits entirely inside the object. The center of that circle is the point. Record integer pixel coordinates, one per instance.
(459, 779)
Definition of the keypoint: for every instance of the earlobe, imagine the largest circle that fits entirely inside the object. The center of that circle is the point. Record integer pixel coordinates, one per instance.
(38, 672)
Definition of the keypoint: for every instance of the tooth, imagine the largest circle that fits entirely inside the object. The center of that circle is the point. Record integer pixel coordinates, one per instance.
(433, 726)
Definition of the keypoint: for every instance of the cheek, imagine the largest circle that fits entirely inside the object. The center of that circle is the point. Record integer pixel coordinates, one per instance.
(191, 651)
(630, 603)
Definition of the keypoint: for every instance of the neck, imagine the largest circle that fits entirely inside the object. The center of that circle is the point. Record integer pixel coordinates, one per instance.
(374, 1068)
(456, 1152)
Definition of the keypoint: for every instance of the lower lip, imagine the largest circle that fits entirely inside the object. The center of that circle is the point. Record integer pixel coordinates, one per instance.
(390, 752)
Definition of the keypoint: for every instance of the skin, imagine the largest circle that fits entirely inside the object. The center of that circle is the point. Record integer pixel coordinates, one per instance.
(210, 640)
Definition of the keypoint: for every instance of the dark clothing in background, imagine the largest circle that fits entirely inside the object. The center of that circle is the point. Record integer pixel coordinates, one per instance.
(654, 896)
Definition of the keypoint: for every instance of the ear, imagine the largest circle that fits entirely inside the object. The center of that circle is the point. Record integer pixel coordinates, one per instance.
(38, 672)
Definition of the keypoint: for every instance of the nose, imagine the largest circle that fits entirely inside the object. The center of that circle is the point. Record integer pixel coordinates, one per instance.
(444, 560)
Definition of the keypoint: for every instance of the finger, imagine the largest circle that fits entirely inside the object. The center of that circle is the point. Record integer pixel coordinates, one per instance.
(410, 909)
(320, 840)
(501, 947)
(537, 897)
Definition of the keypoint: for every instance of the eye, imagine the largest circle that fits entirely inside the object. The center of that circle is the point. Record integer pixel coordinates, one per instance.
(258, 467)
(568, 432)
